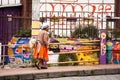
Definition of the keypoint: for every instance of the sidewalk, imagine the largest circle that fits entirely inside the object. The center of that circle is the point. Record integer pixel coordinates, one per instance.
(61, 71)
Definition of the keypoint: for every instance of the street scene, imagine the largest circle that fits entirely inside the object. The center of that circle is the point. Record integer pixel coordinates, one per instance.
(59, 39)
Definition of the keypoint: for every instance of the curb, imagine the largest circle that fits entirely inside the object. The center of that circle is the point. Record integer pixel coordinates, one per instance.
(44, 75)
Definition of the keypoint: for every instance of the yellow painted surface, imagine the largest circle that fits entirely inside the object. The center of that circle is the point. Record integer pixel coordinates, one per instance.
(35, 32)
(35, 27)
(35, 24)
(86, 57)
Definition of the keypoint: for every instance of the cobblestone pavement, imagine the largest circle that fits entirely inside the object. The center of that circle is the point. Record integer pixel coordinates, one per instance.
(98, 77)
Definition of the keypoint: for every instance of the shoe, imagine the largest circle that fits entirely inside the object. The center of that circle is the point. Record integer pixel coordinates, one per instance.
(36, 65)
(43, 67)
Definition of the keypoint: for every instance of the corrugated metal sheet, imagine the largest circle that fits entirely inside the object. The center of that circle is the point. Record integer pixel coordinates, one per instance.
(8, 26)
(10, 5)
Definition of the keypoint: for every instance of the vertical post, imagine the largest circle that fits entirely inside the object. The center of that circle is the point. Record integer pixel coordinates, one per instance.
(3, 55)
(0, 52)
(66, 26)
(79, 28)
(103, 46)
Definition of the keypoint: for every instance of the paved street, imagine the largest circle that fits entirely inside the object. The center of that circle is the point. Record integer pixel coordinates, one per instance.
(99, 77)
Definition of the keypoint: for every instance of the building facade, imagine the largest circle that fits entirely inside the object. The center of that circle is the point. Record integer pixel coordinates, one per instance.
(117, 13)
(65, 15)
(14, 14)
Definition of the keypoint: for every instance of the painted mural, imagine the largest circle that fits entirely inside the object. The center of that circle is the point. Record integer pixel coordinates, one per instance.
(89, 57)
(84, 58)
(19, 51)
(113, 52)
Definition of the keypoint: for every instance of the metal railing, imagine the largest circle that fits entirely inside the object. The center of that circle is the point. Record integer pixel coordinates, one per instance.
(4, 54)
